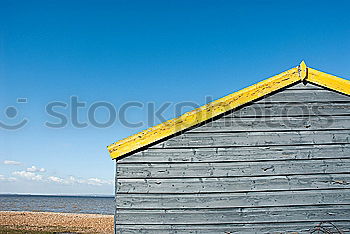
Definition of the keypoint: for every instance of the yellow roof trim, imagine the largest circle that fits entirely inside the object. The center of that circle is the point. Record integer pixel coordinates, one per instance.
(328, 81)
(222, 105)
(302, 70)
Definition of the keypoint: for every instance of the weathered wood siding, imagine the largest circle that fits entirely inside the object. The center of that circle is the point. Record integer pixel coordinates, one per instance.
(279, 164)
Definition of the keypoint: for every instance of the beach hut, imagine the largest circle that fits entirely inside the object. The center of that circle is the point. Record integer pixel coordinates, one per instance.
(273, 157)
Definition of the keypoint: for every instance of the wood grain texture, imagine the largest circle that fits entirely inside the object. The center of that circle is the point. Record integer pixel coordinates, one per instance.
(242, 139)
(279, 227)
(276, 165)
(234, 215)
(292, 109)
(233, 184)
(239, 154)
(320, 95)
(216, 201)
(234, 169)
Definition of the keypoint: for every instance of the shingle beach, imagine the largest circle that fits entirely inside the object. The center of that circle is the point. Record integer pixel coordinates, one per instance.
(56, 222)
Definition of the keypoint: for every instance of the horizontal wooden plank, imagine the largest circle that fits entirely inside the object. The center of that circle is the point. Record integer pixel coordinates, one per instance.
(233, 200)
(234, 215)
(275, 124)
(278, 227)
(240, 139)
(233, 169)
(291, 110)
(233, 184)
(245, 154)
(304, 86)
(290, 95)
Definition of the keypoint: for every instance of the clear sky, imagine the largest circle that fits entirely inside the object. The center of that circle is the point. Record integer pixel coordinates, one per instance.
(129, 52)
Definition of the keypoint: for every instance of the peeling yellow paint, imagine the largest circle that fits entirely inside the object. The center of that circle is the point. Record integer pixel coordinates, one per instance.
(203, 113)
(328, 81)
(232, 101)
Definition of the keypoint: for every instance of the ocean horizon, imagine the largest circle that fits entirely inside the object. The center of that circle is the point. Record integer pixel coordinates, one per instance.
(85, 204)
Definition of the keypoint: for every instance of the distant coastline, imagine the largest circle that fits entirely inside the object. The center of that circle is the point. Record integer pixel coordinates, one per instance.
(83, 204)
(57, 195)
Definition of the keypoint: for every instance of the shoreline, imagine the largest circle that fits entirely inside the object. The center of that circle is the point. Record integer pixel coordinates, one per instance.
(48, 222)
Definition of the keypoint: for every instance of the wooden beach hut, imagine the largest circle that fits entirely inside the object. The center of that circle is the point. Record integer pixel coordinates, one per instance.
(273, 157)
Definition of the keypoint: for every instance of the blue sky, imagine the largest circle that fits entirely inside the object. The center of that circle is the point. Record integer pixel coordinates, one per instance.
(149, 52)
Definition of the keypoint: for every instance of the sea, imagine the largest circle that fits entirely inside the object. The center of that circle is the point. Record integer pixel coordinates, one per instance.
(55, 203)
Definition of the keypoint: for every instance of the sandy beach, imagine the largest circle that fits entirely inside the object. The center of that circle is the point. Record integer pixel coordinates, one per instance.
(15, 222)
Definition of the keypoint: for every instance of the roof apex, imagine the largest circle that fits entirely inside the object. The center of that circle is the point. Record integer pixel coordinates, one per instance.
(302, 70)
(229, 102)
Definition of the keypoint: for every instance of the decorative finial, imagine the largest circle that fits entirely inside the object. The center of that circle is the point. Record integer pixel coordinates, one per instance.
(302, 70)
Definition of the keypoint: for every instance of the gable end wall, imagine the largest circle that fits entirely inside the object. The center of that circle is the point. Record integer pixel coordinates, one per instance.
(279, 164)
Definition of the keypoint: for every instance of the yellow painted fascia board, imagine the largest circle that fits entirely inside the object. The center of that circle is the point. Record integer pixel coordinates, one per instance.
(328, 81)
(207, 112)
